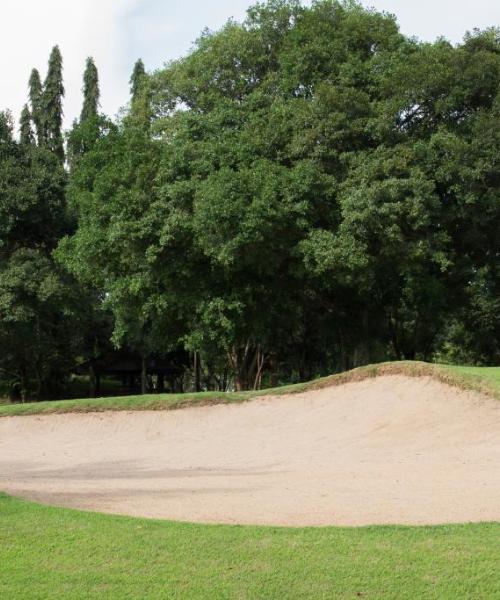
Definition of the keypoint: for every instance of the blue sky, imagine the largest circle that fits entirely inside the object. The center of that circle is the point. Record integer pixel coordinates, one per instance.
(117, 32)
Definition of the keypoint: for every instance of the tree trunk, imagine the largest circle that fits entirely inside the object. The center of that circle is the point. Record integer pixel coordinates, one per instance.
(224, 380)
(239, 382)
(273, 377)
(144, 377)
(161, 383)
(197, 372)
(92, 381)
(23, 388)
(395, 337)
(260, 365)
(244, 363)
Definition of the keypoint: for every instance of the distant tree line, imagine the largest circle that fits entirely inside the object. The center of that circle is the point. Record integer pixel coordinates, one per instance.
(303, 193)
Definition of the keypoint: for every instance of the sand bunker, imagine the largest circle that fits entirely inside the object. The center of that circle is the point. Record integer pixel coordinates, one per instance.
(387, 450)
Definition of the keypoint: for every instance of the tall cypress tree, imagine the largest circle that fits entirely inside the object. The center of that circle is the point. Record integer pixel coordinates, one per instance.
(140, 105)
(137, 79)
(85, 132)
(35, 95)
(53, 93)
(90, 91)
(26, 132)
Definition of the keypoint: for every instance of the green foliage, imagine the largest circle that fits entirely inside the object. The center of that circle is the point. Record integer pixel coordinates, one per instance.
(36, 298)
(83, 136)
(51, 103)
(119, 171)
(35, 329)
(309, 190)
(90, 90)
(6, 128)
(35, 96)
(137, 79)
(91, 126)
(304, 192)
(25, 131)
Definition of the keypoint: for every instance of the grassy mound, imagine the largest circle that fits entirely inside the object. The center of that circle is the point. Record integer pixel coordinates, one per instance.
(481, 379)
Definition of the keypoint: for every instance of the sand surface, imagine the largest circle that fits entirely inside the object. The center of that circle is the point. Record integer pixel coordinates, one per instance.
(387, 450)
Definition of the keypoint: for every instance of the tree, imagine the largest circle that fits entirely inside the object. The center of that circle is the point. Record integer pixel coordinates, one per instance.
(53, 93)
(305, 192)
(85, 132)
(6, 127)
(36, 325)
(35, 97)
(26, 132)
(137, 79)
(38, 300)
(116, 178)
(90, 91)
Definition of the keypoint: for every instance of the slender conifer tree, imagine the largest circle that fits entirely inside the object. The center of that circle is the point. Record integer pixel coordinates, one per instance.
(53, 93)
(35, 96)
(136, 80)
(90, 91)
(26, 132)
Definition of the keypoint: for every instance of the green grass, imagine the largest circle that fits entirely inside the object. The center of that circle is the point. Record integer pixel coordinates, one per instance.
(484, 379)
(491, 375)
(58, 553)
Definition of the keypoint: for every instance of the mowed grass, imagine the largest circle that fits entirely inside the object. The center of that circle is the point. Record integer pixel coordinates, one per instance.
(483, 379)
(490, 375)
(58, 553)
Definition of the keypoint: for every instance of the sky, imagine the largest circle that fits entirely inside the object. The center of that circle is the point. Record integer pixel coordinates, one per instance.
(117, 32)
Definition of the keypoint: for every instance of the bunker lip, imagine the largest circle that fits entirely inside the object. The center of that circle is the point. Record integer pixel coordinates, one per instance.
(186, 400)
(391, 449)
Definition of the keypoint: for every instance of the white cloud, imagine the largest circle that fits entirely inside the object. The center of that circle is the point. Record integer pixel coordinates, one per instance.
(81, 28)
(114, 32)
(102, 38)
(430, 19)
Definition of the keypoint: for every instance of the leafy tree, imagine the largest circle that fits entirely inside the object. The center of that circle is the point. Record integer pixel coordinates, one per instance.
(37, 299)
(115, 180)
(304, 192)
(36, 325)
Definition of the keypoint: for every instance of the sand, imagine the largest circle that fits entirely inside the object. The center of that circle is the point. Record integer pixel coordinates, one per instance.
(393, 449)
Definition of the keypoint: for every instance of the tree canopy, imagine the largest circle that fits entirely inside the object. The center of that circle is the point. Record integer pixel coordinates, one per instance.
(304, 192)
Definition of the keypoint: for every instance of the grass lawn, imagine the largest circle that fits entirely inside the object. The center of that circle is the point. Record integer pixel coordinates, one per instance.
(485, 379)
(57, 553)
(491, 375)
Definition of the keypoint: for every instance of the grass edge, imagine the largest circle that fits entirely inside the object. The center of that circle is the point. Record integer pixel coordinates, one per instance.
(442, 373)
